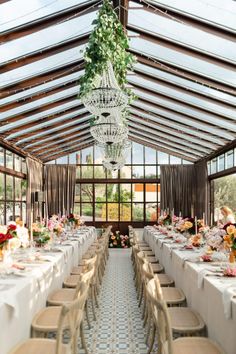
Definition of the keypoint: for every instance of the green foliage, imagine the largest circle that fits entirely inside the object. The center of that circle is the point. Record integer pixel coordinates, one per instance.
(225, 192)
(107, 42)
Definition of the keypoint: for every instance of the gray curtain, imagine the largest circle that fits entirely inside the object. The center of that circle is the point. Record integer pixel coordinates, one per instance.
(178, 185)
(60, 188)
(202, 190)
(35, 184)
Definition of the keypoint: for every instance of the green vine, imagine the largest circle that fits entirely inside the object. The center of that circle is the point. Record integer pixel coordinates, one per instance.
(107, 42)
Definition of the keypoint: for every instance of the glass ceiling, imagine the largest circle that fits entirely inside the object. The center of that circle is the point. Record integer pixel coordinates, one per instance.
(41, 125)
(41, 66)
(184, 61)
(47, 38)
(185, 106)
(187, 84)
(164, 27)
(41, 88)
(16, 13)
(158, 87)
(180, 128)
(217, 12)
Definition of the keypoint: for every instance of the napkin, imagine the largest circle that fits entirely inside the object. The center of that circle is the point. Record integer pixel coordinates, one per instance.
(228, 294)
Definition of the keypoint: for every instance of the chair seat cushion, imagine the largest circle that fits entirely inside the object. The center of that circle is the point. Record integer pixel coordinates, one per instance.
(151, 259)
(185, 320)
(195, 345)
(72, 280)
(38, 346)
(164, 279)
(173, 295)
(145, 248)
(149, 253)
(156, 267)
(47, 319)
(78, 270)
(62, 296)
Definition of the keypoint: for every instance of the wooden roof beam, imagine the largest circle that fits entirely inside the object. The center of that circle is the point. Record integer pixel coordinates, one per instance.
(68, 152)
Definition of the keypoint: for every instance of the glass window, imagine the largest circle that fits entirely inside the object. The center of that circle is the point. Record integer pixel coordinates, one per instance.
(125, 212)
(137, 153)
(9, 159)
(17, 210)
(112, 192)
(17, 163)
(150, 171)
(78, 168)
(230, 159)
(213, 165)
(17, 188)
(112, 174)
(138, 192)
(125, 172)
(163, 158)
(24, 212)
(62, 160)
(2, 162)
(86, 192)
(174, 160)
(125, 193)
(23, 189)
(151, 192)
(2, 213)
(113, 211)
(87, 156)
(137, 212)
(98, 155)
(138, 172)
(209, 167)
(100, 212)
(87, 171)
(2, 186)
(9, 211)
(72, 159)
(100, 192)
(221, 163)
(77, 192)
(224, 194)
(150, 156)
(77, 209)
(87, 211)
(78, 158)
(151, 211)
(99, 172)
(9, 188)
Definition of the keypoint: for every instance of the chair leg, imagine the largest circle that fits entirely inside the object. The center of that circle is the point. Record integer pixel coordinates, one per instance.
(153, 332)
(87, 315)
(93, 305)
(95, 297)
(83, 342)
(141, 296)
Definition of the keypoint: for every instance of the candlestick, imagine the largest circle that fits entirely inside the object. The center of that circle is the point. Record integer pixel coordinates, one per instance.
(211, 219)
(192, 211)
(195, 225)
(180, 214)
(203, 217)
(31, 228)
(168, 210)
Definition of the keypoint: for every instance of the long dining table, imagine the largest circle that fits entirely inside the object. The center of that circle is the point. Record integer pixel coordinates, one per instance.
(204, 288)
(24, 292)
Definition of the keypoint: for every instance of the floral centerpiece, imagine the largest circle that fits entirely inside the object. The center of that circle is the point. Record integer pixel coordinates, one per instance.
(230, 240)
(215, 238)
(164, 220)
(119, 241)
(73, 218)
(187, 225)
(41, 233)
(6, 234)
(55, 225)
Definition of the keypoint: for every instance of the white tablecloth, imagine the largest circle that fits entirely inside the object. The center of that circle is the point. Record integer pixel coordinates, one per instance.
(207, 299)
(22, 296)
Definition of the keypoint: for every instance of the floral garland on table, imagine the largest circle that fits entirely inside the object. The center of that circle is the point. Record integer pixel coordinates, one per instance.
(119, 241)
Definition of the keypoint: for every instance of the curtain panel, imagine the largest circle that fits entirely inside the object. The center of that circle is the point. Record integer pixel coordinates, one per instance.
(59, 188)
(184, 187)
(34, 184)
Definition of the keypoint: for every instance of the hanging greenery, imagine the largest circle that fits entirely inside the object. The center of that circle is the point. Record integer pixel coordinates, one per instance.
(107, 42)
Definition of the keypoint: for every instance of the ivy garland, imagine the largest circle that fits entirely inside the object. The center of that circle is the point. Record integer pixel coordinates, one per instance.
(107, 42)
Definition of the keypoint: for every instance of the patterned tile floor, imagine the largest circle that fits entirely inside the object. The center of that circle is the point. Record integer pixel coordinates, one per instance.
(119, 327)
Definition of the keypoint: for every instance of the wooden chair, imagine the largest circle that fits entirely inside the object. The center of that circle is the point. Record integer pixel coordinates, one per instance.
(183, 320)
(162, 320)
(68, 317)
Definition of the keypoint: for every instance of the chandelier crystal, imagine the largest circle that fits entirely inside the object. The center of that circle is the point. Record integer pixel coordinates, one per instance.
(107, 95)
(114, 155)
(108, 129)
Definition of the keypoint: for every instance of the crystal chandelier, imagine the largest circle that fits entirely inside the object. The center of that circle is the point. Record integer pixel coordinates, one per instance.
(108, 129)
(114, 155)
(107, 95)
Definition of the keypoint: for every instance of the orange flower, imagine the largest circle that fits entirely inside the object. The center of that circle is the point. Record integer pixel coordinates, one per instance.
(230, 229)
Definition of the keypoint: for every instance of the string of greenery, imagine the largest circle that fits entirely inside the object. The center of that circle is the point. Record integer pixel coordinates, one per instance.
(107, 42)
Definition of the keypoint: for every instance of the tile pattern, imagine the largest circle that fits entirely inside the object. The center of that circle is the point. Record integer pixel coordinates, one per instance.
(119, 327)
